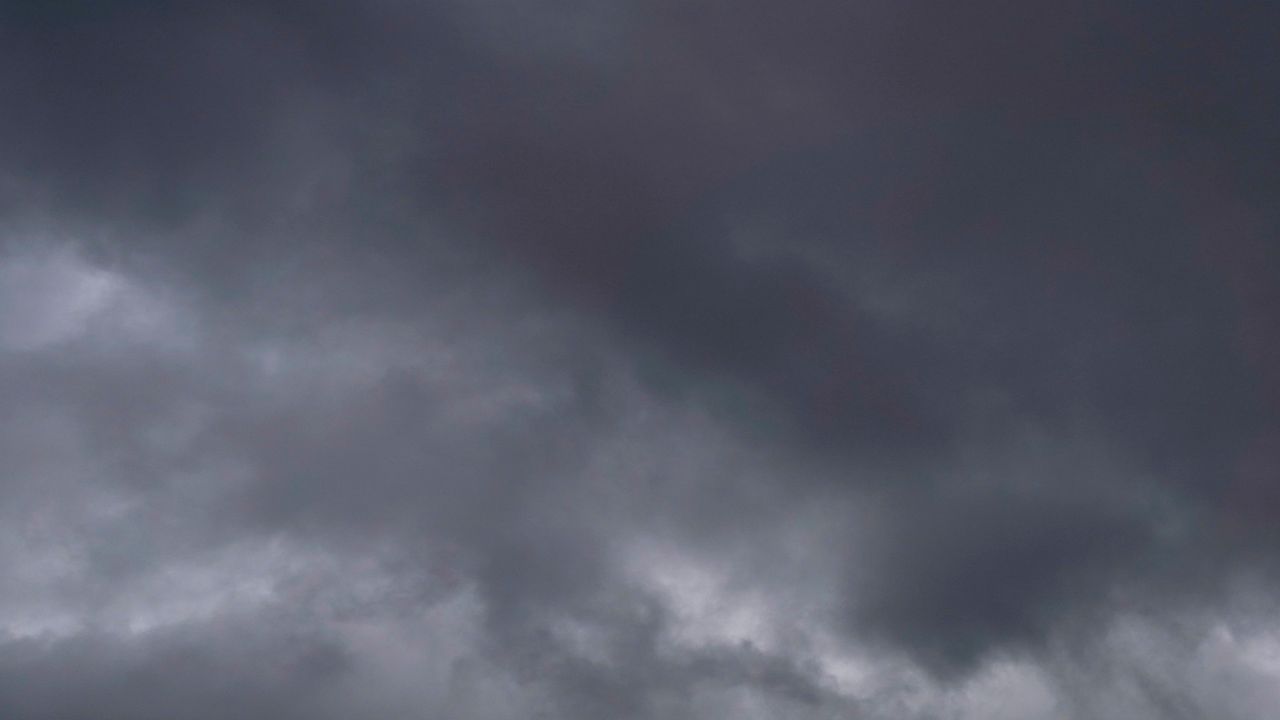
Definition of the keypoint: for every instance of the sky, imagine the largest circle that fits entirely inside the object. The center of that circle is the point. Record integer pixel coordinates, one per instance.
(661, 359)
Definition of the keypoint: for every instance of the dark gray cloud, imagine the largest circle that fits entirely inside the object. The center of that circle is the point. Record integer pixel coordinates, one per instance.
(682, 360)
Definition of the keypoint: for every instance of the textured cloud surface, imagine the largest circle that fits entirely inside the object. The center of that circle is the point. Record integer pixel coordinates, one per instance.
(480, 359)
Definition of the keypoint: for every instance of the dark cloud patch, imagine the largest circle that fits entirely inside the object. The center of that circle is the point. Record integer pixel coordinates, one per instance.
(202, 671)
(988, 559)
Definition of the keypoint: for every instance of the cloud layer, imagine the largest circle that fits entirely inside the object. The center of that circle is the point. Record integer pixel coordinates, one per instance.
(638, 360)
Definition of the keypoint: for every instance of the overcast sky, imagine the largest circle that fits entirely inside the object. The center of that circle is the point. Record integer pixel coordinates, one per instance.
(639, 360)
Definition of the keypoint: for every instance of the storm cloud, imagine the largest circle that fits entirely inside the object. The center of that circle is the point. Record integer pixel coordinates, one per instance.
(478, 359)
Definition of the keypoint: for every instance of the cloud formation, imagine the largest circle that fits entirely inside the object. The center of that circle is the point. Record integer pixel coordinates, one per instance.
(638, 360)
